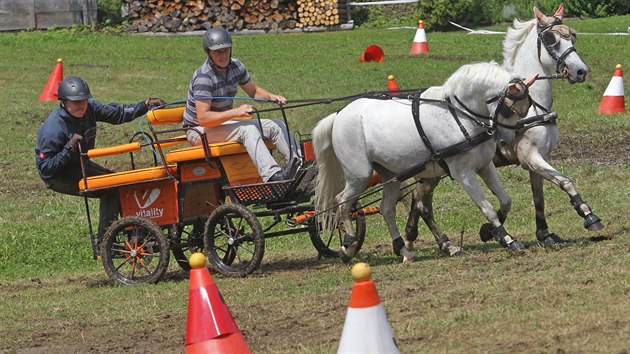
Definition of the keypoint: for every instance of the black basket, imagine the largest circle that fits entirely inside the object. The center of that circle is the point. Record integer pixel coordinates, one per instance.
(300, 189)
(260, 193)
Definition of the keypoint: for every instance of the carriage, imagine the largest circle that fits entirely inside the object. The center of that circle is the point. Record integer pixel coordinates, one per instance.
(208, 198)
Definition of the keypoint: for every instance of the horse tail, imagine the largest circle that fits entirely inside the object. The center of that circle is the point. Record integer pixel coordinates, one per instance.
(330, 177)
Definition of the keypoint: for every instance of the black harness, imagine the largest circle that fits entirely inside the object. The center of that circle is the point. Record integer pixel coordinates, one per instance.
(438, 155)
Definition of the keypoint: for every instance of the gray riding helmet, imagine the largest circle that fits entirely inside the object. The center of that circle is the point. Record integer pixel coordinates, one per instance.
(216, 38)
(74, 89)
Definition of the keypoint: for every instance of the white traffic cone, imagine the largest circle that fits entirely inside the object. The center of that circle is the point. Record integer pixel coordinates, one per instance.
(419, 45)
(366, 329)
(613, 100)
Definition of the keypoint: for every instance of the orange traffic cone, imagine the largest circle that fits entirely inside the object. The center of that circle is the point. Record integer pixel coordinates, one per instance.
(210, 327)
(372, 53)
(49, 93)
(419, 45)
(392, 86)
(613, 100)
(366, 329)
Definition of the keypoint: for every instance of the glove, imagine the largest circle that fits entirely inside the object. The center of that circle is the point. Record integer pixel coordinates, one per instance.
(154, 102)
(74, 139)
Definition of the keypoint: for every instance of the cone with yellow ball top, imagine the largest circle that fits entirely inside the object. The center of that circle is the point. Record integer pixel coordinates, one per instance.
(210, 328)
(613, 100)
(366, 329)
(392, 86)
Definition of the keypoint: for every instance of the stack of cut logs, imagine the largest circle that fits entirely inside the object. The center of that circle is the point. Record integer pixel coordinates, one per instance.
(234, 15)
(317, 13)
(192, 15)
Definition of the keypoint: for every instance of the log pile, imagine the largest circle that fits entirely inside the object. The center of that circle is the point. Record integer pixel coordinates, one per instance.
(194, 15)
(318, 13)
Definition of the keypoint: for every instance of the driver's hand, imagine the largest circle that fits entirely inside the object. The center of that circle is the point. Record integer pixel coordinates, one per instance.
(278, 99)
(244, 110)
(73, 142)
(154, 102)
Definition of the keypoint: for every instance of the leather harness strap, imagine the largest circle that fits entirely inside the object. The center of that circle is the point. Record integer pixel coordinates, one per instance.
(438, 156)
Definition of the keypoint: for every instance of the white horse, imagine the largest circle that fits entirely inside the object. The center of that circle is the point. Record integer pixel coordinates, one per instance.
(542, 45)
(400, 138)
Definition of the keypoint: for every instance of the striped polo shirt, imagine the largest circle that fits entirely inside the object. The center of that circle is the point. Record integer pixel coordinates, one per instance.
(206, 84)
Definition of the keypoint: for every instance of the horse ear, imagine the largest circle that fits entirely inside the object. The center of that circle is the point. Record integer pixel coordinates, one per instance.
(513, 88)
(539, 15)
(531, 80)
(559, 12)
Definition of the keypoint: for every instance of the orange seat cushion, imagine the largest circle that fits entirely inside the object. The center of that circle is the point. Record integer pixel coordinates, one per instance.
(216, 149)
(126, 177)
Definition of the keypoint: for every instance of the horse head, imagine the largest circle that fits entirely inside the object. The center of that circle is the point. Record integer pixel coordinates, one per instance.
(512, 105)
(559, 40)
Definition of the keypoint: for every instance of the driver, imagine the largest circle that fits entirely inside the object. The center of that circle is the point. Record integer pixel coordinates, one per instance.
(210, 110)
(72, 121)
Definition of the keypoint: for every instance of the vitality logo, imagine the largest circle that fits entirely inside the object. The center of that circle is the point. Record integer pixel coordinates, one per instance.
(144, 199)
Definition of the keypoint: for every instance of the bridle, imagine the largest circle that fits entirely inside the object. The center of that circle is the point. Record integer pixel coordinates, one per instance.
(505, 106)
(547, 36)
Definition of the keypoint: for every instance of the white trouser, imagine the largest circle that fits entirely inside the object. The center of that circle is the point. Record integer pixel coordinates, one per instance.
(247, 132)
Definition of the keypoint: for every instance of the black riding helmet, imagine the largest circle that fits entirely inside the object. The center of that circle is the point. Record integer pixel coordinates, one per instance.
(216, 38)
(74, 89)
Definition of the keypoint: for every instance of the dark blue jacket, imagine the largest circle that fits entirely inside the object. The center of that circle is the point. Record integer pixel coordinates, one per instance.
(54, 156)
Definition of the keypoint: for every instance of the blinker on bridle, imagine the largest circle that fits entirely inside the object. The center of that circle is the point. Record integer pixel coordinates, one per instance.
(507, 109)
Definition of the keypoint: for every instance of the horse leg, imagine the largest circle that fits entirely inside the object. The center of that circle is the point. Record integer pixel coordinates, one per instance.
(468, 181)
(543, 235)
(388, 211)
(411, 228)
(346, 200)
(491, 179)
(540, 168)
(422, 206)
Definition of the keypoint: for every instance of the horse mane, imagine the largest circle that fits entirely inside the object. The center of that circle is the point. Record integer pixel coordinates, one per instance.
(514, 39)
(470, 79)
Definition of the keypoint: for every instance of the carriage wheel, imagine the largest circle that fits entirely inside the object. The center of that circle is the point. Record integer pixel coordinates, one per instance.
(135, 251)
(187, 240)
(234, 241)
(323, 240)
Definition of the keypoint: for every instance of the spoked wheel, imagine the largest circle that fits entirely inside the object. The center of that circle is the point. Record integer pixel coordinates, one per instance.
(187, 240)
(328, 243)
(234, 241)
(135, 251)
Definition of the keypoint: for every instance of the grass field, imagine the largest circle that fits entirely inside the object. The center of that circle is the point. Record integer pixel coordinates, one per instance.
(574, 299)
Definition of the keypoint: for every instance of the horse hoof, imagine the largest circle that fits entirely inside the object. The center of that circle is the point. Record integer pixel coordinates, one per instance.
(451, 250)
(516, 246)
(485, 232)
(552, 240)
(345, 258)
(592, 222)
(346, 254)
(407, 255)
(409, 245)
